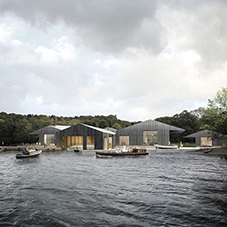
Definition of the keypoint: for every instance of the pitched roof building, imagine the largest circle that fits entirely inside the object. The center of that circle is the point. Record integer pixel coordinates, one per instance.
(146, 133)
(207, 138)
(47, 135)
(86, 137)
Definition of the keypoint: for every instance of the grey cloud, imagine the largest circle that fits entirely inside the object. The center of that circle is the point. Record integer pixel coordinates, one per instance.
(105, 26)
(205, 28)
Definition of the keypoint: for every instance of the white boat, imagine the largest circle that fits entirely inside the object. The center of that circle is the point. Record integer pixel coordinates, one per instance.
(166, 146)
(33, 153)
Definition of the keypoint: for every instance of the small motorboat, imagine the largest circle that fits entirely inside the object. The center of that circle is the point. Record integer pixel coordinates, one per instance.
(32, 153)
(166, 146)
(133, 152)
(74, 148)
(77, 150)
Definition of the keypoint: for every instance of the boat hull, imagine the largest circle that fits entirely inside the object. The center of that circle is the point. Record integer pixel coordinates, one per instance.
(76, 150)
(165, 147)
(34, 154)
(135, 152)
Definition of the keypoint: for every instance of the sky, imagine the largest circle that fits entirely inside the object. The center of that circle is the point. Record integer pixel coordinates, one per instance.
(137, 59)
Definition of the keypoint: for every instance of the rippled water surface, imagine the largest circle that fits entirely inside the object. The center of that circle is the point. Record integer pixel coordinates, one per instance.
(71, 189)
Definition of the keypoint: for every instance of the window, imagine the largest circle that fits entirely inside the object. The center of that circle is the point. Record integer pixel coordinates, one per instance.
(77, 140)
(123, 140)
(206, 141)
(110, 141)
(90, 142)
(49, 139)
(150, 137)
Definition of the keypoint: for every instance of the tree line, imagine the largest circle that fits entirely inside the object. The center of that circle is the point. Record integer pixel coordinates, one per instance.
(15, 128)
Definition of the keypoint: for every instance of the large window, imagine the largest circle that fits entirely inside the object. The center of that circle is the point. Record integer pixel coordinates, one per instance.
(72, 141)
(150, 137)
(206, 141)
(90, 142)
(77, 140)
(123, 140)
(49, 139)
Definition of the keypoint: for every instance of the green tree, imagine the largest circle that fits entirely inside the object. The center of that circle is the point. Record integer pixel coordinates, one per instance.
(21, 132)
(90, 122)
(7, 131)
(116, 126)
(219, 102)
(215, 116)
(185, 120)
(103, 124)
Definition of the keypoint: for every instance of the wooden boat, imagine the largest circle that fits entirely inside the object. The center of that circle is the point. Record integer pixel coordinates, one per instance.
(33, 153)
(135, 151)
(166, 147)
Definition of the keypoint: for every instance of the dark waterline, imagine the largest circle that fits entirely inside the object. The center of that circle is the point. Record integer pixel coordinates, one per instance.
(70, 189)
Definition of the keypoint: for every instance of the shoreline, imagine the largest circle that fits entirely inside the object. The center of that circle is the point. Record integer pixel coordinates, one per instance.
(221, 152)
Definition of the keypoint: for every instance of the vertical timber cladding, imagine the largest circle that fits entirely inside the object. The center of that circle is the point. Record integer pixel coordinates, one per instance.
(92, 139)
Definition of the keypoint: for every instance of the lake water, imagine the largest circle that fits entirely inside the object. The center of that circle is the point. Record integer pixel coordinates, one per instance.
(71, 189)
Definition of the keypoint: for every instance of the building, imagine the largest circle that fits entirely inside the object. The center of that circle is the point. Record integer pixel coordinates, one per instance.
(147, 133)
(47, 135)
(86, 137)
(207, 138)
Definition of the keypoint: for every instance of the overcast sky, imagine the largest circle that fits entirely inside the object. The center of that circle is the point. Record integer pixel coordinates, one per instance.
(137, 59)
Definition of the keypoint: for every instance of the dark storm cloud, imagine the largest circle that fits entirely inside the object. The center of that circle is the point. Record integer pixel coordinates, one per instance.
(105, 26)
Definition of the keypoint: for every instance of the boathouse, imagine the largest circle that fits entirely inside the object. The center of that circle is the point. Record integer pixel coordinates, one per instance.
(146, 133)
(208, 138)
(86, 137)
(47, 135)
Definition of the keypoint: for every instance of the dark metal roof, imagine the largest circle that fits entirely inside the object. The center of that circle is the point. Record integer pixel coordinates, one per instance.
(204, 133)
(155, 125)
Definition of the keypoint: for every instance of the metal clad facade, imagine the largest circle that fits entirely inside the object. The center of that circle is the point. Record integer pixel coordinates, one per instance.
(46, 130)
(206, 133)
(135, 132)
(81, 130)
